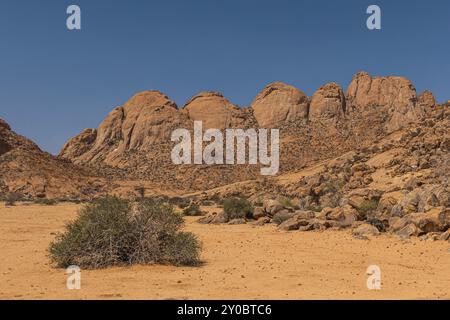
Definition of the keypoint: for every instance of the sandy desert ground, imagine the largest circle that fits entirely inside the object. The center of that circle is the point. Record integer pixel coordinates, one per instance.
(240, 262)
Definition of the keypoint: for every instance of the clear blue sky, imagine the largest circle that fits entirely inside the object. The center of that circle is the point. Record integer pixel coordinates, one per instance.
(55, 82)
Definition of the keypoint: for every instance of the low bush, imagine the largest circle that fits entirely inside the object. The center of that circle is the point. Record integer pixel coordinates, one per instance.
(315, 208)
(192, 210)
(258, 202)
(367, 206)
(110, 232)
(286, 202)
(280, 217)
(237, 208)
(45, 201)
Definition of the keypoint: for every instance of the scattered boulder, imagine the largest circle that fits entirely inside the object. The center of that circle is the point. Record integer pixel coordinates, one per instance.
(258, 212)
(366, 230)
(408, 231)
(445, 236)
(237, 221)
(292, 224)
(282, 216)
(271, 207)
(219, 218)
(261, 221)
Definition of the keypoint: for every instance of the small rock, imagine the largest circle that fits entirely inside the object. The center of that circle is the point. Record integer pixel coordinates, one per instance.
(366, 230)
(407, 231)
(237, 221)
(219, 218)
(258, 212)
(261, 221)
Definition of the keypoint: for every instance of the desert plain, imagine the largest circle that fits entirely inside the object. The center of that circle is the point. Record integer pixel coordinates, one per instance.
(238, 262)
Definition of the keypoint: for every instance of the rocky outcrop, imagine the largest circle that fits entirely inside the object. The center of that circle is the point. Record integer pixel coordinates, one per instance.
(327, 102)
(215, 111)
(148, 118)
(133, 142)
(278, 103)
(394, 97)
(80, 144)
(426, 100)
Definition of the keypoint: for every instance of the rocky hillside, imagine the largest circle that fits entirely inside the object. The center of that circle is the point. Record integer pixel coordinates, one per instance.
(28, 171)
(133, 142)
(400, 184)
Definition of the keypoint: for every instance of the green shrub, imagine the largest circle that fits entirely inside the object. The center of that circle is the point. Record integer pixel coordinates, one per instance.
(258, 202)
(280, 217)
(367, 206)
(286, 202)
(235, 208)
(315, 208)
(192, 210)
(45, 201)
(335, 185)
(109, 232)
(180, 202)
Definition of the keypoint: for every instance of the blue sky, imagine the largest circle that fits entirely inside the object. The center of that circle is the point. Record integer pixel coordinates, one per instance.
(55, 82)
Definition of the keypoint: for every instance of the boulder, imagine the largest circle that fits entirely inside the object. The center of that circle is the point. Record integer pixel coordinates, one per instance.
(215, 111)
(219, 218)
(445, 236)
(346, 215)
(408, 231)
(327, 102)
(394, 97)
(261, 221)
(258, 212)
(237, 221)
(292, 224)
(282, 215)
(366, 230)
(272, 206)
(304, 214)
(436, 220)
(207, 219)
(278, 103)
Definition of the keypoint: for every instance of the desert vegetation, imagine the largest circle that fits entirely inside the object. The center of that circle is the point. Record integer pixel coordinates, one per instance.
(192, 210)
(237, 208)
(114, 232)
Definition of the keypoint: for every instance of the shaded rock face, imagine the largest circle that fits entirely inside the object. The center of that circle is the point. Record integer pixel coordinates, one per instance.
(146, 119)
(327, 102)
(279, 103)
(215, 111)
(4, 145)
(79, 144)
(394, 96)
(4, 125)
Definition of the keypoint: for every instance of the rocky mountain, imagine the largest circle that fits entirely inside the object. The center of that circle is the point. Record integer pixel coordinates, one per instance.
(135, 138)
